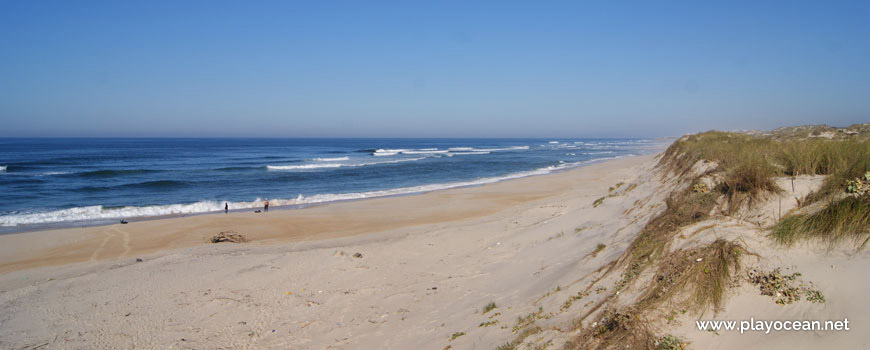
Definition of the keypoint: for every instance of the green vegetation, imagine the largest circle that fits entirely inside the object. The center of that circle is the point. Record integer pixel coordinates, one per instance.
(670, 342)
(572, 299)
(489, 307)
(598, 202)
(845, 219)
(784, 289)
(703, 273)
(456, 335)
(616, 329)
(525, 333)
(748, 164)
(742, 169)
(815, 296)
(598, 249)
(488, 323)
(523, 322)
(683, 208)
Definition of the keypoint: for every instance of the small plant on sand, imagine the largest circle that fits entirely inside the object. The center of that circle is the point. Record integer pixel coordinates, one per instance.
(784, 288)
(598, 202)
(598, 249)
(572, 299)
(815, 296)
(670, 342)
(523, 322)
(611, 189)
(489, 307)
(456, 335)
(488, 323)
(859, 186)
(526, 332)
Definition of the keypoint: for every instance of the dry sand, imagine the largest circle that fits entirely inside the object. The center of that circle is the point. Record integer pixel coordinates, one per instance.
(429, 263)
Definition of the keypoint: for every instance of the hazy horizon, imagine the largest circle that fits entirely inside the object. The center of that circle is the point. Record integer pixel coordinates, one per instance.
(451, 69)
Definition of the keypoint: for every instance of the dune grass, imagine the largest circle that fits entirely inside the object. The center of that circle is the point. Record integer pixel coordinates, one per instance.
(847, 219)
(683, 208)
(489, 307)
(691, 279)
(703, 273)
(623, 329)
(748, 164)
(598, 202)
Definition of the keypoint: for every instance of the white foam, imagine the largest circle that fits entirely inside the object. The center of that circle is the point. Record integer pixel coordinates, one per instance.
(304, 166)
(94, 213)
(467, 153)
(425, 151)
(335, 159)
(514, 148)
(387, 152)
(3, 168)
(554, 142)
(336, 165)
(452, 150)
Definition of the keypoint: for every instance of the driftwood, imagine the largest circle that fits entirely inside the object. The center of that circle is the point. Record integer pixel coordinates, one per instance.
(228, 236)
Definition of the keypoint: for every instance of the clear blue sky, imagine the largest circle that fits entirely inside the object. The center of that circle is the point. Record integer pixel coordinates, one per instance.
(440, 69)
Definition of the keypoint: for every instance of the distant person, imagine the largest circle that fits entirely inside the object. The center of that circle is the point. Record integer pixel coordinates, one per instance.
(266, 206)
(226, 208)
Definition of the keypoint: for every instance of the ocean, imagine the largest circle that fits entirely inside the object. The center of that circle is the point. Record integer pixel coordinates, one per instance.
(72, 182)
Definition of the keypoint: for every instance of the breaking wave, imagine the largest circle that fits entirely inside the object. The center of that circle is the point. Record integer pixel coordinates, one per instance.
(98, 212)
(336, 165)
(334, 159)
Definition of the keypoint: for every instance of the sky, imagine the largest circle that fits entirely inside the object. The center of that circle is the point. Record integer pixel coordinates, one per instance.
(429, 69)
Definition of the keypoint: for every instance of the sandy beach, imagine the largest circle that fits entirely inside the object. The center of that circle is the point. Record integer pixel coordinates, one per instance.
(429, 263)
(407, 272)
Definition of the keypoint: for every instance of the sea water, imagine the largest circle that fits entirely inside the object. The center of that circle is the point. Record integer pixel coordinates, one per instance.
(70, 182)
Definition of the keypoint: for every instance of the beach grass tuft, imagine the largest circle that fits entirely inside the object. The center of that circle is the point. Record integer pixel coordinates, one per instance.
(847, 219)
(703, 273)
(598, 202)
(489, 307)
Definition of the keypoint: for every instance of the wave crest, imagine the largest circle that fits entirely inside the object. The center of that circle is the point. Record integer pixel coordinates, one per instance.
(336, 165)
(334, 159)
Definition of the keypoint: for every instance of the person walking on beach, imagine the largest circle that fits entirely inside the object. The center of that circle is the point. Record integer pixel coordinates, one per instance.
(266, 206)
(226, 208)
